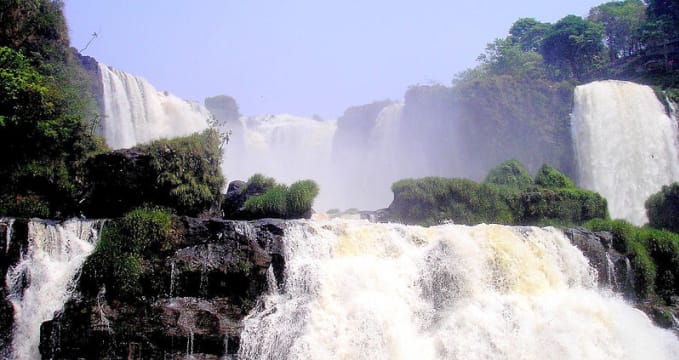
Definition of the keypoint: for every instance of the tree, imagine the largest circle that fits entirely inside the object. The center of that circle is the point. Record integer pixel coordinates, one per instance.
(505, 57)
(573, 47)
(622, 21)
(528, 33)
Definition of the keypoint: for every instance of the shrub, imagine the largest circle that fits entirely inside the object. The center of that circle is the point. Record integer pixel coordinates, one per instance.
(510, 173)
(183, 174)
(662, 208)
(262, 197)
(300, 198)
(118, 259)
(506, 197)
(549, 177)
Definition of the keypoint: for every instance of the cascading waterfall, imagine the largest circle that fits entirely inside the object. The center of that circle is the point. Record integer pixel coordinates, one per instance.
(625, 145)
(43, 279)
(355, 290)
(135, 112)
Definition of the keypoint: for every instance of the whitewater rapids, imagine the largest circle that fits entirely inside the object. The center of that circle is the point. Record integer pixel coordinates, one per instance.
(356, 290)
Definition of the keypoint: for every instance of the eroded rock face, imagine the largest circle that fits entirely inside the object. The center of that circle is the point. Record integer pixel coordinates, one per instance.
(613, 268)
(213, 276)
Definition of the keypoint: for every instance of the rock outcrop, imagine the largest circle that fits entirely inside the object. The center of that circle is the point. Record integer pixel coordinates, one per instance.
(215, 273)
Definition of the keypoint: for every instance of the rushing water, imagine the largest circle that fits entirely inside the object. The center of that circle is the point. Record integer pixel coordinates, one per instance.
(43, 279)
(625, 144)
(135, 112)
(355, 290)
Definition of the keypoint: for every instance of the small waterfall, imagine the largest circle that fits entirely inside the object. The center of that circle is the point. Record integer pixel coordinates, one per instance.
(625, 145)
(355, 290)
(43, 280)
(135, 112)
(8, 223)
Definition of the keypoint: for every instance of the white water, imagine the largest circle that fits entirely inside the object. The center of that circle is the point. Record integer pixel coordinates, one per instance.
(290, 148)
(625, 145)
(285, 147)
(135, 112)
(48, 266)
(355, 290)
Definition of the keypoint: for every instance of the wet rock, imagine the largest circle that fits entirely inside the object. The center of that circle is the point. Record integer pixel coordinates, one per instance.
(210, 279)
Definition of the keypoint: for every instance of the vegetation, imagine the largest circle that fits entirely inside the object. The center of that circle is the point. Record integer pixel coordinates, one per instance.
(45, 119)
(506, 197)
(663, 208)
(264, 198)
(510, 173)
(125, 246)
(654, 255)
(549, 177)
(182, 174)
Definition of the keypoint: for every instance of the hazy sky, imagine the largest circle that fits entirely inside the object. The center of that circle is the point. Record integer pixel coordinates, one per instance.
(300, 57)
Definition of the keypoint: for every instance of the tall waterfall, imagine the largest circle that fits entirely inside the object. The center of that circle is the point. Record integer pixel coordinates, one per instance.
(354, 290)
(42, 281)
(135, 112)
(625, 145)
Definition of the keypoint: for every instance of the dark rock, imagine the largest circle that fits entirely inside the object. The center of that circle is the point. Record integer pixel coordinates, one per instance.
(210, 279)
(613, 268)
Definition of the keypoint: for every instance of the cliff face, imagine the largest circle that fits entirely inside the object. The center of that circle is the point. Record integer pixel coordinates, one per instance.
(192, 300)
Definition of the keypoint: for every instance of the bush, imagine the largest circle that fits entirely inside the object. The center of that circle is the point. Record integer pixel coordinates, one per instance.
(654, 255)
(510, 173)
(183, 174)
(662, 208)
(507, 197)
(118, 259)
(431, 200)
(261, 197)
(549, 177)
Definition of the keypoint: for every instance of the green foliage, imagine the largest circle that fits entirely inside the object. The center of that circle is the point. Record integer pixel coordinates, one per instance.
(573, 48)
(663, 208)
(549, 177)
(268, 199)
(654, 255)
(42, 127)
(272, 203)
(118, 260)
(300, 198)
(510, 173)
(188, 170)
(507, 197)
(622, 21)
(182, 173)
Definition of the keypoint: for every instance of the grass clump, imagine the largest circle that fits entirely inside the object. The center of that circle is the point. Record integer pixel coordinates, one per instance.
(662, 208)
(262, 197)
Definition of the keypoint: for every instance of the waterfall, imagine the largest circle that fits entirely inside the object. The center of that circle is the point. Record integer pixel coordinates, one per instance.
(135, 112)
(286, 147)
(290, 148)
(355, 290)
(43, 279)
(625, 145)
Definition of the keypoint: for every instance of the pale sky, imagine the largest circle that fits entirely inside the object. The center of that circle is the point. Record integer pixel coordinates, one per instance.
(301, 57)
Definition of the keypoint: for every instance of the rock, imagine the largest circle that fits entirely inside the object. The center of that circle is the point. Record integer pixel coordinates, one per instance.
(613, 268)
(211, 278)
